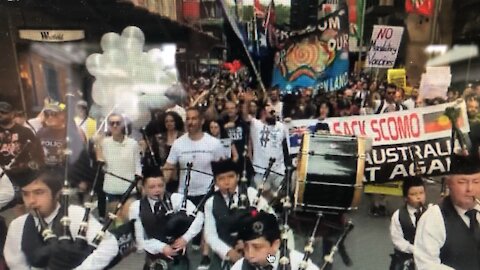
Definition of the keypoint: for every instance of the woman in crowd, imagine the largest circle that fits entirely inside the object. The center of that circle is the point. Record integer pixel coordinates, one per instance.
(214, 128)
(170, 127)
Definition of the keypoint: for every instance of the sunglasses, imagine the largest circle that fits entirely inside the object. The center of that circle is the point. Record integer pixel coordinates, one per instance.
(50, 114)
(115, 123)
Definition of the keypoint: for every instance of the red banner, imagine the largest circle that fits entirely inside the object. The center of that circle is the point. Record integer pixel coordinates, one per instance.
(422, 7)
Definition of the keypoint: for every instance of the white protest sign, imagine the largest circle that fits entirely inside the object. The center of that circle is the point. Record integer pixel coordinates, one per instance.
(384, 46)
(435, 82)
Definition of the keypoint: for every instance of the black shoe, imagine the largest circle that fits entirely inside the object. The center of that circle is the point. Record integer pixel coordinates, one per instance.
(374, 211)
(204, 263)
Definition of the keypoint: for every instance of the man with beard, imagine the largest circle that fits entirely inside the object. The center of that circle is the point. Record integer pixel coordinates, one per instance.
(277, 104)
(200, 149)
(270, 140)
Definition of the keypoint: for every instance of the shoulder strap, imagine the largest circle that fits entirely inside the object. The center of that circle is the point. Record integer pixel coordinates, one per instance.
(407, 225)
(400, 107)
(379, 109)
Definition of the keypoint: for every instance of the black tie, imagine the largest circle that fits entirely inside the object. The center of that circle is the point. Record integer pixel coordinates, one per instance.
(474, 227)
(417, 214)
(267, 267)
(156, 208)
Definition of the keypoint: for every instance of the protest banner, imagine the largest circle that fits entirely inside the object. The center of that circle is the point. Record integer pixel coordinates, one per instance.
(384, 46)
(422, 133)
(316, 56)
(398, 77)
(435, 82)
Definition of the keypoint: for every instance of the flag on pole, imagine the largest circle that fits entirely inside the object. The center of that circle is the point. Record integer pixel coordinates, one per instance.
(269, 25)
(258, 9)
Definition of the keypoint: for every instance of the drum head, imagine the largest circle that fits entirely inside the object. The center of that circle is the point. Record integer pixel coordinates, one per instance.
(328, 173)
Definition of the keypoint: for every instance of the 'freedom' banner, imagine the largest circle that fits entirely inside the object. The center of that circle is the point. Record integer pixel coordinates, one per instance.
(423, 133)
(316, 56)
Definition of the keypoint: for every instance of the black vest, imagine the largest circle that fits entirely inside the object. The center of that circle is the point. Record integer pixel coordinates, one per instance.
(33, 246)
(407, 226)
(460, 250)
(154, 225)
(221, 213)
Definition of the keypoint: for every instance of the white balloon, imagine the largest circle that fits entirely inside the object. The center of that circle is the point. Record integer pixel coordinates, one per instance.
(93, 63)
(133, 32)
(131, 45)
(109, 41)
(113, 57)
(154, 101)
(126, 102)
(101, 91)
(169, 52)
(142, 119)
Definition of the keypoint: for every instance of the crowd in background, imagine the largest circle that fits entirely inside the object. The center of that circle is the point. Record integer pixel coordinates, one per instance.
(222, 103)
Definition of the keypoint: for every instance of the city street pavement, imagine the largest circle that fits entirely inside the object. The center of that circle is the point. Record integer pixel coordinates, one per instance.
(368, 244)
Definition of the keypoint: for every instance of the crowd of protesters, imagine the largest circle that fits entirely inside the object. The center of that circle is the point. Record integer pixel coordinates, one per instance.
(222, 110)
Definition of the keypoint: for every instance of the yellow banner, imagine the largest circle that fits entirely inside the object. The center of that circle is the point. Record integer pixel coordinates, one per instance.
(397, 77)
(392, 188)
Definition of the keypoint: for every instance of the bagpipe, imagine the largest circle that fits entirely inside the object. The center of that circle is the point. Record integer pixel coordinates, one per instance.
(79, 245)
(65, 250)
(178, 222)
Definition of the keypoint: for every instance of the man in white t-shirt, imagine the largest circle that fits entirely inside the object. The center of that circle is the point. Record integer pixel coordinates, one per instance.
(201, 149)
(269, 139)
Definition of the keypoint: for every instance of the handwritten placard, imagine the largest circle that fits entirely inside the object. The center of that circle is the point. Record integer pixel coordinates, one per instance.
(384, 46)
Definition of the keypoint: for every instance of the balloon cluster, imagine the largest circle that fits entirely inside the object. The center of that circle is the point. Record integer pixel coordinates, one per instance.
(131, 81)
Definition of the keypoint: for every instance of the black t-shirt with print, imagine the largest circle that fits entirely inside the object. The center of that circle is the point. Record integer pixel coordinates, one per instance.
(13, 140)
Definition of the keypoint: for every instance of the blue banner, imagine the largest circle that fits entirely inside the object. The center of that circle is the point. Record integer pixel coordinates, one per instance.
(316, 56)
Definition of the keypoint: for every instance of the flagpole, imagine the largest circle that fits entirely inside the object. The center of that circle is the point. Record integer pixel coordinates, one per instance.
(257, 38)
(236, 30)
(267, 19)
(362, 28)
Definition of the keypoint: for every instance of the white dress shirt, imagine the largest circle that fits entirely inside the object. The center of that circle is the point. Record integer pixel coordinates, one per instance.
(6, 190)
(122, 159)
(396, 232)
(154, 246)
(295, 259)
(211, 236)
(431, 236)
(99, 259)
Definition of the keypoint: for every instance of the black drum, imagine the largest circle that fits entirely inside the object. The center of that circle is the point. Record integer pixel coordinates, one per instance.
(329, 173)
